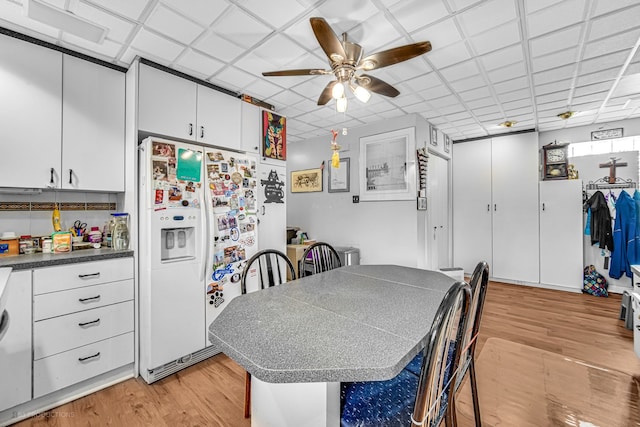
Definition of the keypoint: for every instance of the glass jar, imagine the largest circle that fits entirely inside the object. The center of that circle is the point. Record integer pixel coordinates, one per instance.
(120, 233)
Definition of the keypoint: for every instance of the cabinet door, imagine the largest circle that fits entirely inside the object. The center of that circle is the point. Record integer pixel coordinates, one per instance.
(561, 233)
(272, 214)
(15, 347)
(218, 118)
(30, 114)
(93, 126)
(167, 104)
(471, 204)
(438, 210)
(515, 207)
(251, 139)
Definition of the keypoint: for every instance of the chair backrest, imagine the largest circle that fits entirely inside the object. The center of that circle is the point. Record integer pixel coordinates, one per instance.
(267, 265)
(479, 283)
(318, 257)
(441, 359)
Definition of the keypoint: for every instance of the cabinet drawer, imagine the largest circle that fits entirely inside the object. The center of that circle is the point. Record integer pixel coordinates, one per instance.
(63, 333)
(60, 303)
(64, 369)
(70, 276)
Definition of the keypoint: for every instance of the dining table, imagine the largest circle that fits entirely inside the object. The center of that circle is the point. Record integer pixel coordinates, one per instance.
(301, 339)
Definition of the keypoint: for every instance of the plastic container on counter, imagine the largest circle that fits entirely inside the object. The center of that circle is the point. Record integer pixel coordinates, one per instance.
(25, 242)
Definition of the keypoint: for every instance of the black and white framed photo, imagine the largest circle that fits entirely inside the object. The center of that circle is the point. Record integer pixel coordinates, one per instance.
(339, 177)
(387, 166)
(434, 136)
(447, 144)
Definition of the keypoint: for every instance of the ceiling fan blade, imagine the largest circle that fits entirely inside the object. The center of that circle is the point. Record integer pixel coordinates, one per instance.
(393, 56)
(328, 40)
(376, 85)
(300, 72)
(325, 96)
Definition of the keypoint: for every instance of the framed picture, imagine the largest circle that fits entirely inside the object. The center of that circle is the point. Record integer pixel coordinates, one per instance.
(274, 136)
(339, 177)
(388, 166)
(607, 134)
(422, 203)
(447, 144)
(306, 181)
(434, 136)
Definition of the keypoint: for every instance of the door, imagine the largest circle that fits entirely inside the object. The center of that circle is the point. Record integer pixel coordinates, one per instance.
(30, 114)
(438, 208)
(218, 118)
(272, 212)
(15, 347)
(472, 216)
(93, 127)
(167, 104)
(515, 207)
(561, 238)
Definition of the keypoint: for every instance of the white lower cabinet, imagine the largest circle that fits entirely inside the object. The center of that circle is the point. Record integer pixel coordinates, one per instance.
(15, 347)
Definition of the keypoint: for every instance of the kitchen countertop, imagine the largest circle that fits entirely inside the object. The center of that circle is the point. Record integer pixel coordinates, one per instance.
(37, 260)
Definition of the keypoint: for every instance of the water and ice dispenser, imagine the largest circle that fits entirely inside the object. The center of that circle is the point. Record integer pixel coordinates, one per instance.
(177, 244)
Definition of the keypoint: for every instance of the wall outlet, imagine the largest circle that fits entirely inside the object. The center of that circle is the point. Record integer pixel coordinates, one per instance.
(356, 199)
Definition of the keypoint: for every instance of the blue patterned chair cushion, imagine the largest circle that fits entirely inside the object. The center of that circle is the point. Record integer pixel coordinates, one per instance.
(415, 365)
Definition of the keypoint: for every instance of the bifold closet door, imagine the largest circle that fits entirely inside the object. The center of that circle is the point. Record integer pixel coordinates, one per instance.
(472, 204)
(515, 208)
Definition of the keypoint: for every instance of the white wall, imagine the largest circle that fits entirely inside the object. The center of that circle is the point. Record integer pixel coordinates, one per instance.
(391, 232)
(583, 133)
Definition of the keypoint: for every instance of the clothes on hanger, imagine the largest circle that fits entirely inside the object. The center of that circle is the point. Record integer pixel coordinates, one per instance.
(601, 232)
(625, 237)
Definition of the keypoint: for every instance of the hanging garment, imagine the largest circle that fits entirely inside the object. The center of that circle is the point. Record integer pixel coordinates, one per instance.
(624, 237)
(601, 232)
(587, 227)
(611, 202)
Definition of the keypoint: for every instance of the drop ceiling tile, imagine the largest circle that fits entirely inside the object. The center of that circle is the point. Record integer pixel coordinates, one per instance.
(374, 33)
(507, 73)
(481, 102)
(515, 95)
(606, 6)
(276, 17)
(559, 15)
(233, 78)
(407, 99)
(460, 117)
(502, 57)
(496, 38)
(556, 74)
(279, 50)
(468, 83)
(131, 9)
(15, 19)
(417, 108)
(511, 85)
(488, 110)
(555, 106)
(197, 62)
(424, 82)
(623, 20)
(553, 87)
(204, 12)
(129, 55)
(172, 25)
(434, 93)
(219, 48)
(487, 15)
(441, 34)
(405, 13)
(119, 29)
(262, 89)
(255, 65)
(444, 101)
(535, 5)
(628, 86)
(585, 106)
(470, 95)
(622, 41)
(554, 60)
(460, 71)
(603, 62)
(405, 71)
(555, 96)
(594, 97)
(107, 49)
(156, 45)
(521, 105)
(243, 29)
(449, 55)
(600, 76)
(555, 41)
(594, 88)
(614, 115)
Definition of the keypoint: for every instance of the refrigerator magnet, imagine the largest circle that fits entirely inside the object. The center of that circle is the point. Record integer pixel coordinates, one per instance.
(235, 234)
(159, 197)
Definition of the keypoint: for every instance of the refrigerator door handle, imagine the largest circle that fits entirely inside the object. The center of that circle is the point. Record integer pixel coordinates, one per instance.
(204, 222)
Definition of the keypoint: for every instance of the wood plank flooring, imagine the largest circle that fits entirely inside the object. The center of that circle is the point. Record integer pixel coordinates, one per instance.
(211, 393)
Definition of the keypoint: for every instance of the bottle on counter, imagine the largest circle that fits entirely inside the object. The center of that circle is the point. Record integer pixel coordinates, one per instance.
(95, 237)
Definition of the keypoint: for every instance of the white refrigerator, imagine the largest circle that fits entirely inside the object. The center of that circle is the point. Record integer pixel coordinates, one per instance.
(198, 226)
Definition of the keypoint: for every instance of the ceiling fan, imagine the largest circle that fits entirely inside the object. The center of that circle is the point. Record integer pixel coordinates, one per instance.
(346, 61)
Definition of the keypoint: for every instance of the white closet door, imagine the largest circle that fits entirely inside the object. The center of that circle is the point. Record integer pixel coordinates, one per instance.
(561, 233)
(438, 195)
(515, 207)
(471, 204)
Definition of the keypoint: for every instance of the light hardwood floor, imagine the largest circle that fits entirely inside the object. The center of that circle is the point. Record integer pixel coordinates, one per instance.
(211, 393)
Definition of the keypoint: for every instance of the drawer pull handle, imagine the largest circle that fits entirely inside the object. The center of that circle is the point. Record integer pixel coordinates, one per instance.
(89, 299)
(89, 323)
(83, 359)
(82, 276)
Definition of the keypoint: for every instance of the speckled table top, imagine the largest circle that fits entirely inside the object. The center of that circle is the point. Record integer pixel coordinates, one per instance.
(25, 262)
(355, 323)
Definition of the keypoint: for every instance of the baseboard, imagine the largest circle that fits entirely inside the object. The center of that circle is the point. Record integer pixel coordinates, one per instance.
(537, 285)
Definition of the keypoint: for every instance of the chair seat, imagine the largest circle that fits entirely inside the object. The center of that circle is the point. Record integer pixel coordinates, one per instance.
(415, 365)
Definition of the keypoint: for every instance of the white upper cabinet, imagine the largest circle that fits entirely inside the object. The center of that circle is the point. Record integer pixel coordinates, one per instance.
(167, 104)
(30, 114)
(218, 120)
(250, 128)
(93, 111)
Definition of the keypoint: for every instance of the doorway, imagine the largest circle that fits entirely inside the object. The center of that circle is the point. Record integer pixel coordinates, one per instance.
(438, 229)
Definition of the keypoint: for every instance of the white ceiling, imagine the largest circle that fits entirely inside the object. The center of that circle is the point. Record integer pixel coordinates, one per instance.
(492, 60)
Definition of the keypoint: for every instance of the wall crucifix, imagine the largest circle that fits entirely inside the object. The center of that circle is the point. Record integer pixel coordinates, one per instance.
(612, 165)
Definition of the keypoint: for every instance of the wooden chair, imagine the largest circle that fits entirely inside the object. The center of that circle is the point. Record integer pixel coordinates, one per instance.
(408, 399)
(267, 265)
(317, 258)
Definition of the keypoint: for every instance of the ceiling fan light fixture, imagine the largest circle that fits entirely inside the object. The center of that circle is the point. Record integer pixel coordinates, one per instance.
(566, 115)
(368, 65)
(338, 90)
(361, 93)
(508, 123)
(341, 104)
